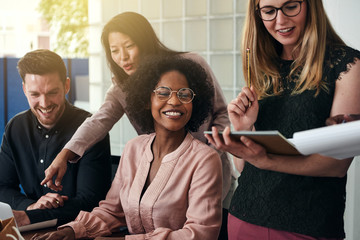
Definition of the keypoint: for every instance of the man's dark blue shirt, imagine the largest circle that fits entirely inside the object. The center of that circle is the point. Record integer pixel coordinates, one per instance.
(28, 148)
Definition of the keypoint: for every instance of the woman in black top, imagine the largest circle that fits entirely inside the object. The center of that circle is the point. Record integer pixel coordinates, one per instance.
(301, 74)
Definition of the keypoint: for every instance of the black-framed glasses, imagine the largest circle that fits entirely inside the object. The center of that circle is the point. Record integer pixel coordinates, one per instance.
(185, 95)
(289, 9)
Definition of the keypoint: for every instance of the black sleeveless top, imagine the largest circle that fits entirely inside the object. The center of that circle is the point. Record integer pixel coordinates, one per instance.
(313, 206)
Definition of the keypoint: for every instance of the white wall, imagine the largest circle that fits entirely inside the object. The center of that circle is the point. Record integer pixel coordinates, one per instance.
(344, 15)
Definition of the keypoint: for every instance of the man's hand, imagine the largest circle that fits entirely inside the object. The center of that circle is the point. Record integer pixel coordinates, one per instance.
(58, 167)
(49, 201)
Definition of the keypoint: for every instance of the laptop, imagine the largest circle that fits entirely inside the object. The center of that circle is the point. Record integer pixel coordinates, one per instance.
(6, 212)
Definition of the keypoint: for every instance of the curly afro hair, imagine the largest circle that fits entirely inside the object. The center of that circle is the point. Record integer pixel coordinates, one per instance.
(141, 84)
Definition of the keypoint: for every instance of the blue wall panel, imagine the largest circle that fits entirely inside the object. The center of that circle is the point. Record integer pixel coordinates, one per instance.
(2, 97)
(16, 99)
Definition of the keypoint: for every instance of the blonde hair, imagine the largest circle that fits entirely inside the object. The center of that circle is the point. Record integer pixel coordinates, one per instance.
(265, 51)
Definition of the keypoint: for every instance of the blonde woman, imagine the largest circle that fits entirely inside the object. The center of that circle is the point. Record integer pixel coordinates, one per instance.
(301, 74)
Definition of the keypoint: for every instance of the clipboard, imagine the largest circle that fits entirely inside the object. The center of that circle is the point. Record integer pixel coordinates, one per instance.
(273, 141)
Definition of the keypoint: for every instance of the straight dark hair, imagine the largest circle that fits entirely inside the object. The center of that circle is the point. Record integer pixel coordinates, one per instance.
(141, 33)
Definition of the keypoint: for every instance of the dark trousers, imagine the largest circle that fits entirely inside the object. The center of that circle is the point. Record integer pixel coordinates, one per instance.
(223, 231)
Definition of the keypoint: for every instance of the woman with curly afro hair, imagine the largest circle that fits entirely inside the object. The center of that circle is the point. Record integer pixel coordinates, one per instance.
(168, 184)
(143, 83)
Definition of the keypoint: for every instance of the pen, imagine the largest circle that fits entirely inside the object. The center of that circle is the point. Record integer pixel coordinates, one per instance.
(248, 69)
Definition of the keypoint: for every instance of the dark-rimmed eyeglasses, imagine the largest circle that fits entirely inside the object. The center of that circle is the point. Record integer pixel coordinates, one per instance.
(185, 95)
(289, 9)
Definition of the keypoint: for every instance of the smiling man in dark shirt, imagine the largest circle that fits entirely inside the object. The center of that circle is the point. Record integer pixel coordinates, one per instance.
(33, 138)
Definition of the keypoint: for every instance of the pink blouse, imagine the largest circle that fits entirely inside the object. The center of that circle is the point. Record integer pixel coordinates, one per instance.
(182, 202)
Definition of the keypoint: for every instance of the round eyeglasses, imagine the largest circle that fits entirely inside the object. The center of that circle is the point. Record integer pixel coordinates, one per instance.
(185, 95)
(289, 9)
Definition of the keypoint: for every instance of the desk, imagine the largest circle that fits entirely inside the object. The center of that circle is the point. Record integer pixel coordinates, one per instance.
(28, 235)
